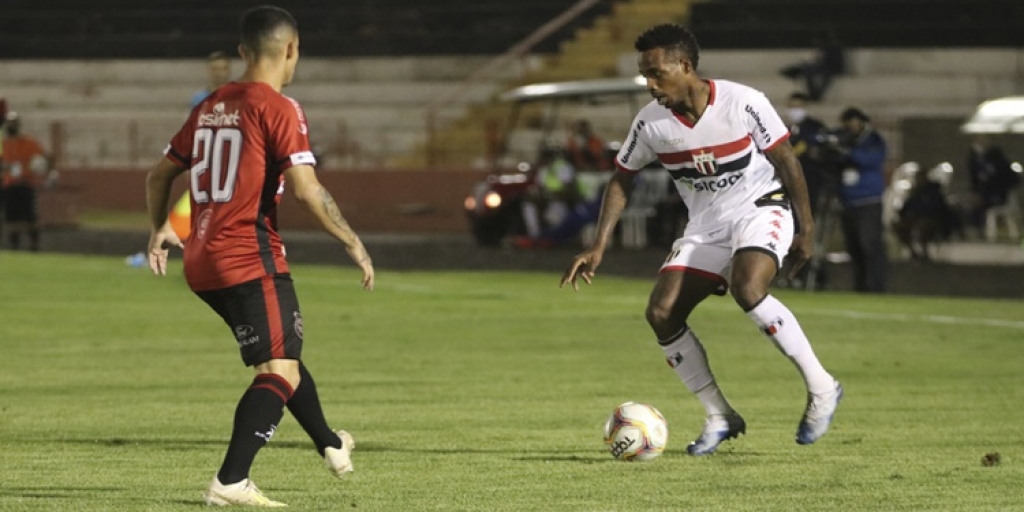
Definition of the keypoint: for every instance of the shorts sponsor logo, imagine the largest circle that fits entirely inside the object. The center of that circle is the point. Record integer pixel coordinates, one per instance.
(298, 324)
(773, 327)
(246, 335)
(219, 117)
(632, 144)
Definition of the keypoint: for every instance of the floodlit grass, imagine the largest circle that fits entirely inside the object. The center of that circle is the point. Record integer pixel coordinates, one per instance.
(487, 391)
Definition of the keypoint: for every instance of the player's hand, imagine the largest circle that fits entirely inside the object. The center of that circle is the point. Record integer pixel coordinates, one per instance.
(583, 265)
(362, 258)
(160, 241)
(800, 251)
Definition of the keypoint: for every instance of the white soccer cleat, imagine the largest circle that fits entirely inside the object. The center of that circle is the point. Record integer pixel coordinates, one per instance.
(339, 460)
(717, 428)
(244, 493)
(818, 416)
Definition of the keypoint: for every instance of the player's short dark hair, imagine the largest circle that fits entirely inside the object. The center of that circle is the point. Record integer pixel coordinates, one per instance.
(854, 113)
(799, 96)
(670, 37)
(217, 55)
(260, 23)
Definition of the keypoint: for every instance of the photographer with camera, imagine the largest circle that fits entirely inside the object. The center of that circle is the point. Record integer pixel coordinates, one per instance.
(809, 138)
(861, 153)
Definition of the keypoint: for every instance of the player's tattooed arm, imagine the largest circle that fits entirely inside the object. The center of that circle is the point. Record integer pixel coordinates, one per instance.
(318, 201)
(348, 236)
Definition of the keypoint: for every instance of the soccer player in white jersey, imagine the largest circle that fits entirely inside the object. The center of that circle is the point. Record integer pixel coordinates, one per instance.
(727, 152)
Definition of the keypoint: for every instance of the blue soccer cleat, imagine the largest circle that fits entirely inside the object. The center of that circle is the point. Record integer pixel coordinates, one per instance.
(717, 428)
(818, 416)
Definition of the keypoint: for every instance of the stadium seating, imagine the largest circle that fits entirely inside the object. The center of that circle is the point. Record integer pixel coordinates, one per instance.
(365, 109)
(859, 23)
(193, 28)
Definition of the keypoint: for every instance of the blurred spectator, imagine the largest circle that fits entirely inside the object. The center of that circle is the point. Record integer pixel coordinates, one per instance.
(809, 138)
(817, 73)
(925, 217)
(992, 179)
(586, 150)
(554, 194)
(218, 73)
(25, 167)
(862, 154)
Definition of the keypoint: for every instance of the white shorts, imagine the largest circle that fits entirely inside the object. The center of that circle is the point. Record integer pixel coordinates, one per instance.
(707, 250)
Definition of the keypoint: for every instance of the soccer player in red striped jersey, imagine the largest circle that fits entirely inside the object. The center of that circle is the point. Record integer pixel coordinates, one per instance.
(728, 154)
(243, 146)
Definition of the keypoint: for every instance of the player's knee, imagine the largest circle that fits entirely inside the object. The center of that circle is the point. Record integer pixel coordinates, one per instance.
(288, 369)
(748, 294)
(293, 378)
(658, 315)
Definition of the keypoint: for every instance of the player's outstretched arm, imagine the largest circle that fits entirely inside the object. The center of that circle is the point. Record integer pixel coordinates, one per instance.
(158, 197)
(306, 188)
(616, 196)
(792, 175)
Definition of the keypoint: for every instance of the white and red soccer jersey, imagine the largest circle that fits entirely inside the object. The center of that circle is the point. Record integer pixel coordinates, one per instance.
(718, 164)
(237, 143)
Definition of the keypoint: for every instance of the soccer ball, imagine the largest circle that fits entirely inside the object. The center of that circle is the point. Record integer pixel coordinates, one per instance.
(635, 432)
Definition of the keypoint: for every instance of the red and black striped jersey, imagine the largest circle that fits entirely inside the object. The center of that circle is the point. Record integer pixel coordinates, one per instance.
(237, 143)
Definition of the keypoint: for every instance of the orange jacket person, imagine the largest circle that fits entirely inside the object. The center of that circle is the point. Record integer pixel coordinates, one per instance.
(24, 166)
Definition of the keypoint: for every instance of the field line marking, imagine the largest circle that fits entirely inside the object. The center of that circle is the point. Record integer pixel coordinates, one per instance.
(902, 317)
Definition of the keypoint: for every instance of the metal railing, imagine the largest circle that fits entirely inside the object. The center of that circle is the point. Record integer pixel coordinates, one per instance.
(488, 70)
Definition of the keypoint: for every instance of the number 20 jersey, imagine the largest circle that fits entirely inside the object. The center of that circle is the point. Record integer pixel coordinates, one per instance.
(237, 143)
(718, 163)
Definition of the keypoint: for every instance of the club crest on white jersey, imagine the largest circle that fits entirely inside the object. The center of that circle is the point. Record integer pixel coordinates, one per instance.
(718, 163)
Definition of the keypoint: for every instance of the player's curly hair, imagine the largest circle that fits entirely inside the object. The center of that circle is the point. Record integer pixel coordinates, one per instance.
(260, 23)
(670, 37)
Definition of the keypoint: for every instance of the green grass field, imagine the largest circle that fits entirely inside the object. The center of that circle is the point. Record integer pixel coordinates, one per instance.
(487, 391)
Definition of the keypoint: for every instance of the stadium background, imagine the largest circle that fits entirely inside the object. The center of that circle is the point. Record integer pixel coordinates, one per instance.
(406, 122)
(470, 381)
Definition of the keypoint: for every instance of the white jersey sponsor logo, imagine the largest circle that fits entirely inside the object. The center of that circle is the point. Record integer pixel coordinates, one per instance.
(718, 163)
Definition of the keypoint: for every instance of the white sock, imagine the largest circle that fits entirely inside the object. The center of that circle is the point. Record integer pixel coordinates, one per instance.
(778, 323)
(686, 356)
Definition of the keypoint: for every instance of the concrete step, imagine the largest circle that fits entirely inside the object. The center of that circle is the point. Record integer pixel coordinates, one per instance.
(192, 72)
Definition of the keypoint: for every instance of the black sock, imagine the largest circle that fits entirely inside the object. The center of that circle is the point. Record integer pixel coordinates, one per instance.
(256, 419)
(305, 407)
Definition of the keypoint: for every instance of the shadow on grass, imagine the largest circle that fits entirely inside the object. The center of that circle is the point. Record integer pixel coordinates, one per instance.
(516, 453)
(55, 493)
(166, 444)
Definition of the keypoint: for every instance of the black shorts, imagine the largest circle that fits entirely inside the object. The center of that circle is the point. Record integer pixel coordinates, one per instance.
(263, 315)
(20, 204)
